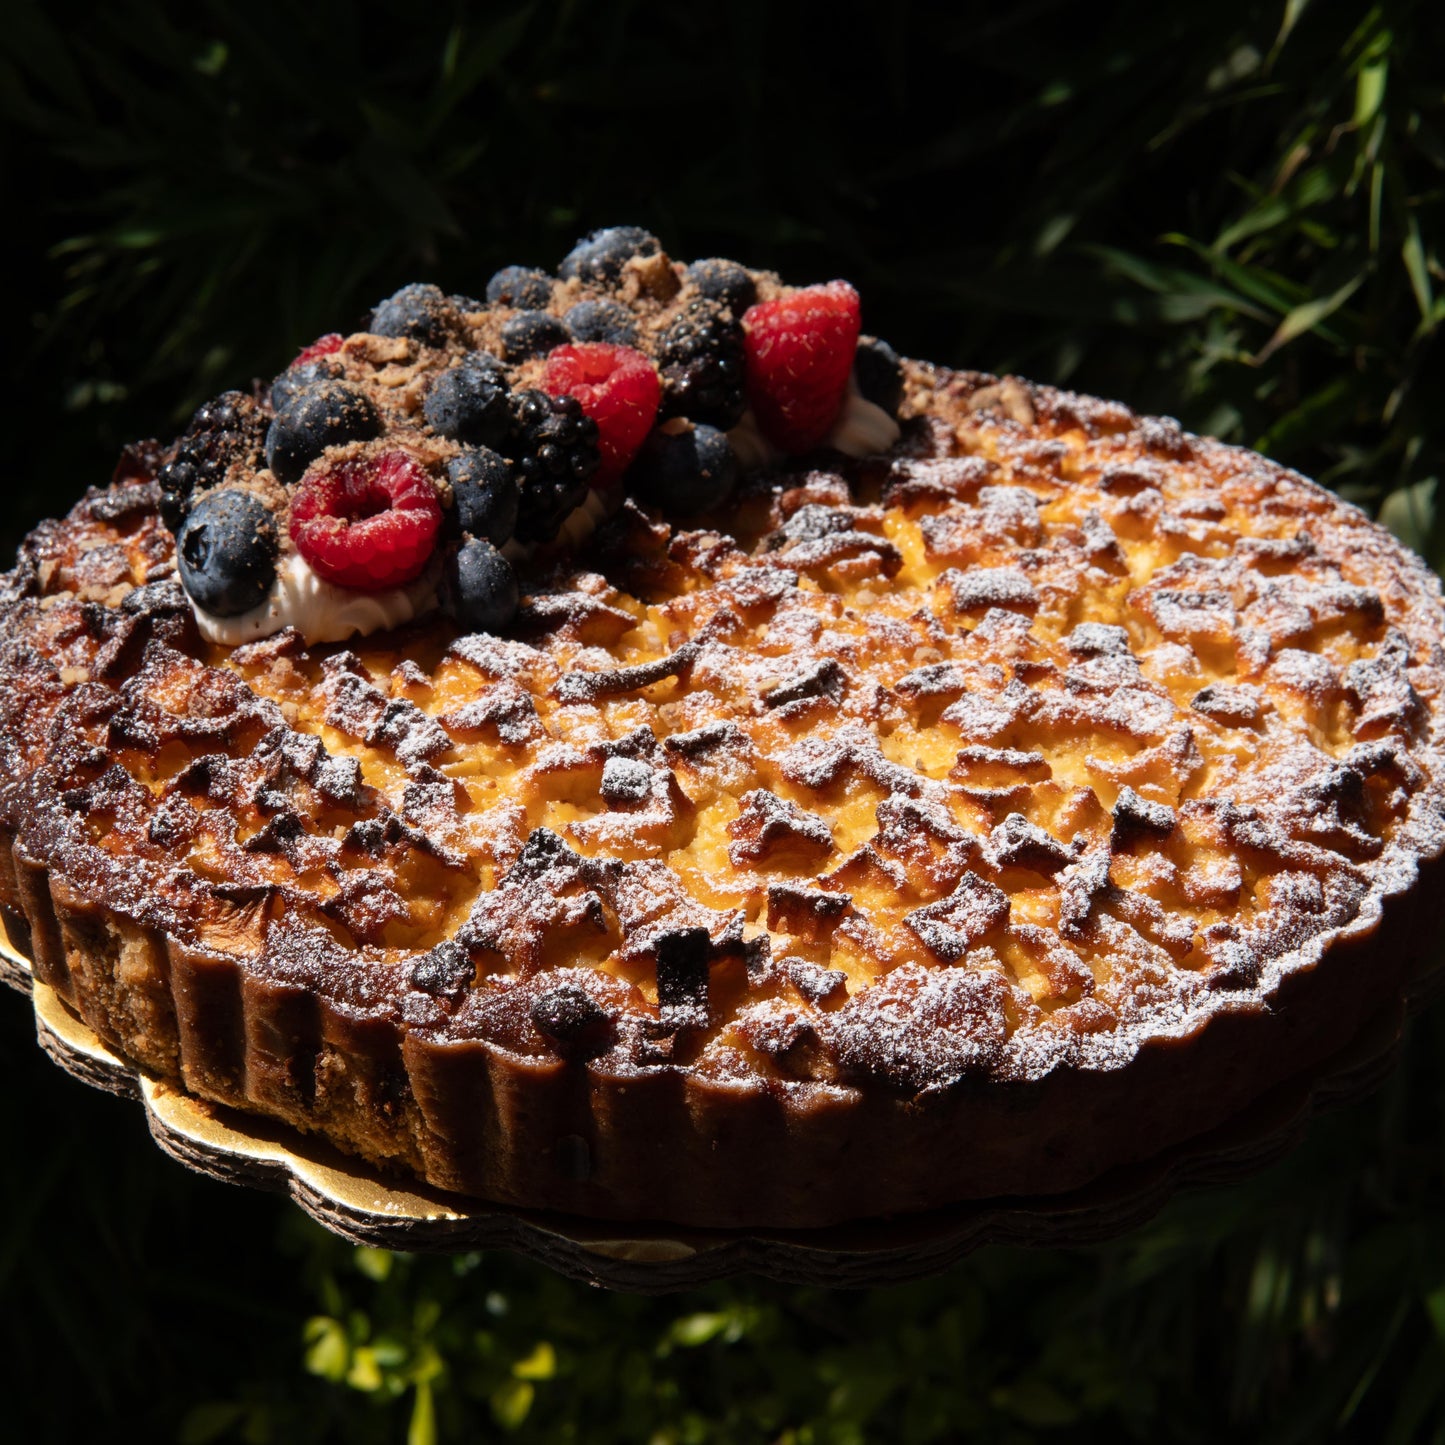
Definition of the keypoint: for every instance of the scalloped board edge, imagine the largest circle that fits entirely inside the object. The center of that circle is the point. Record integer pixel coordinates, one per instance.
(357, 1203)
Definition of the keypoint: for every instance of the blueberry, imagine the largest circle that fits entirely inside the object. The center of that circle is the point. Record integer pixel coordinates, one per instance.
(607, 321)
(685, 471)
(486, 494)
(482, 587)
(420, 312)
(226, 552)
(520, 286)
(531, 333)
(572, 1021)
(296, 379)
(602, 255)
(325, 416)
(464, 304)
(469, 403)
(446, 970)
(879, 374)
(725, 282)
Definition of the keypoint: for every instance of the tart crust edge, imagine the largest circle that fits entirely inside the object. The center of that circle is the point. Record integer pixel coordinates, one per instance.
(669, 1145)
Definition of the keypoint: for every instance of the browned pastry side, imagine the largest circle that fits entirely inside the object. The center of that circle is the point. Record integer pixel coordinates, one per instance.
(1012, 807)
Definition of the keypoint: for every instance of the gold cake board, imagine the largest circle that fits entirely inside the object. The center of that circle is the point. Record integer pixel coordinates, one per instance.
(358, 1202)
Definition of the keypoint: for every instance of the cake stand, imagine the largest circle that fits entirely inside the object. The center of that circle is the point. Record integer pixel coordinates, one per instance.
(358, 1202)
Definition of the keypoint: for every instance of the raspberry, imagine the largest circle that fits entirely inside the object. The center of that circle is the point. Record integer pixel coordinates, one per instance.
(799, 357)
(366, 522)
(618, 388)
(326, 345)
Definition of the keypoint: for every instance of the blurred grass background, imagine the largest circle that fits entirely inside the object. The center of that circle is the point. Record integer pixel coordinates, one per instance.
(1229, 212)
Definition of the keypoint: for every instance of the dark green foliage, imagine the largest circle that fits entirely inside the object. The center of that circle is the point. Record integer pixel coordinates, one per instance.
(1229, 212)
(1305, 1304)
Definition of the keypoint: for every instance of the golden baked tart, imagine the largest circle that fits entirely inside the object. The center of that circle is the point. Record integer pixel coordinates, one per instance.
(627, 746)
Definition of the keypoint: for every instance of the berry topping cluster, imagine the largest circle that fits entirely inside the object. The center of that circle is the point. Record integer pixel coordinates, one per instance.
(454, 438)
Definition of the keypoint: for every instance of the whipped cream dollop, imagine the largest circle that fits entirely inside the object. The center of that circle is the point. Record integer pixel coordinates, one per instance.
(323, 612)
(319, 610)
(577, 526)
(862, 429)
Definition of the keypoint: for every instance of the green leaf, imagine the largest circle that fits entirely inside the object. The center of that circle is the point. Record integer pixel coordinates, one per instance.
(694, 1330)
(1412, 252)
(1435, 1307)
(209, 1421)
(328, 1350)
(1266, 214)
(365, 1372)
(1370, 92)
(1424, 1389)
(212, 58)
(1187, 296)
(1038, 1402)
(1409, 512)
(374, 1263)
(1308, 317)
(1293, 9)
(511, 1403)
(541, 1364)
(1254, 282)
(422, 1428)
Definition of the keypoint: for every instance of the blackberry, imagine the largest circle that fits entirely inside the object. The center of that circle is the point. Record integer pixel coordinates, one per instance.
(326, 416)
(485, 490)
(531, 333)
(684, 469)
(419, 312)
(227, 430)
(481, 587)
(607, 321)
(879, 374)
(554, 447)
(469, 402)
(701, 359)
(602, 255)
(725, 282)
(226, 552)
(520, 286)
